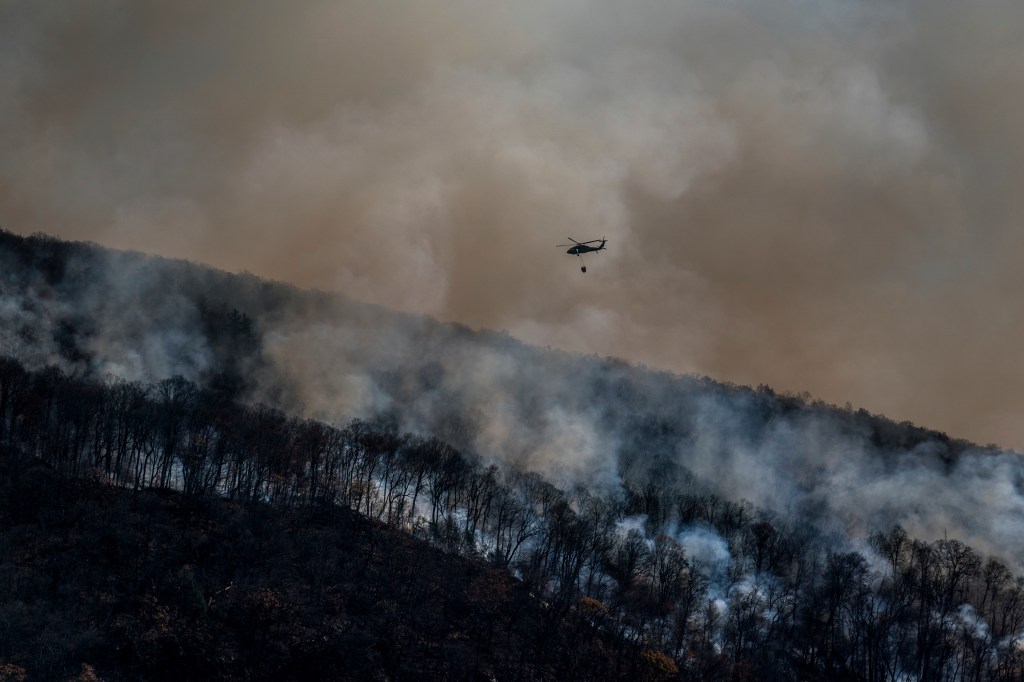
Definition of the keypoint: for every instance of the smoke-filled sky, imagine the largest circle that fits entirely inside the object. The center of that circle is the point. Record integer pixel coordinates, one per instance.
(818, 195)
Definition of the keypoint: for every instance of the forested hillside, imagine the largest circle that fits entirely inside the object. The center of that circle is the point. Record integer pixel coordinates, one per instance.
(103, 582)
(715, 531)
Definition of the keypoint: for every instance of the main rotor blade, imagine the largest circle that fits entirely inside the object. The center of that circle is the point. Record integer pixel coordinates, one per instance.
(573, 240)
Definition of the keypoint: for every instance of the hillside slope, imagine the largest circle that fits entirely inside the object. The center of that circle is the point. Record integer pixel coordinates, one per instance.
(732, 531)
(152, 585)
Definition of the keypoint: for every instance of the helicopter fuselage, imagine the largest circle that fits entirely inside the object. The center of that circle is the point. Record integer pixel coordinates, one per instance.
(581, 248)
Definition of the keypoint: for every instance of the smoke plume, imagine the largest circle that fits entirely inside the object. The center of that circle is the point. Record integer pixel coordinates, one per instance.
(817, 196)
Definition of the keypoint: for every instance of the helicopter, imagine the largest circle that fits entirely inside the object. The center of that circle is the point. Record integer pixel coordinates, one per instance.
(579, 248)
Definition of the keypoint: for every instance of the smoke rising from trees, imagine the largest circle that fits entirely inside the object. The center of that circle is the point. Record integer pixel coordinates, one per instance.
(580, 421)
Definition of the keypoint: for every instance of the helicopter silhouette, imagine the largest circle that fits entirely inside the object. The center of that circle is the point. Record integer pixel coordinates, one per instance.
(579, 248)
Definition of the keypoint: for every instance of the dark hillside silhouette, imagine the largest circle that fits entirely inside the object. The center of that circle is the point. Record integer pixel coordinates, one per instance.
(158, 532)
(151, 585)
(639, 524)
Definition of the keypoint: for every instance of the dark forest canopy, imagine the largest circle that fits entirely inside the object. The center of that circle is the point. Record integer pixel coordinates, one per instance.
(99, 582)
(258, 570)
(732, 530)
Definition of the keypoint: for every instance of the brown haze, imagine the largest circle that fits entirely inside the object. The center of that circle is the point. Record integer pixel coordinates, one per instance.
(821, 196)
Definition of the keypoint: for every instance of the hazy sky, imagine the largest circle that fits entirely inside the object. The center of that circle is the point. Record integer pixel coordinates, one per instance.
(820, 195)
